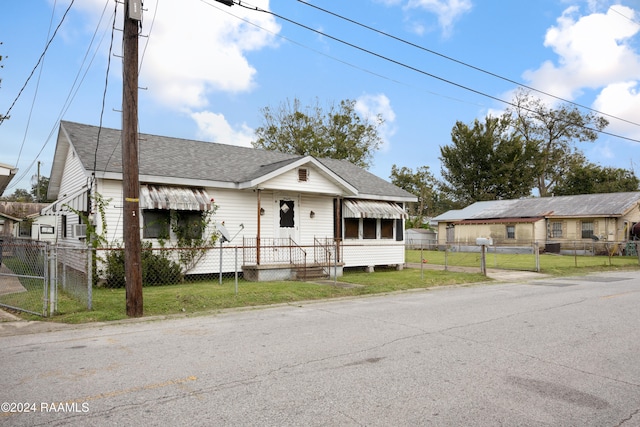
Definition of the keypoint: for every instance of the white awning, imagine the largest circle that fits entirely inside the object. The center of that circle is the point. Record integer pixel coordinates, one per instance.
(176, 198)
(77, 201)
(372, 209)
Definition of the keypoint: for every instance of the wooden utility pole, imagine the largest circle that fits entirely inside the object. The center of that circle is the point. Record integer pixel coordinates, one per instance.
(130, 180)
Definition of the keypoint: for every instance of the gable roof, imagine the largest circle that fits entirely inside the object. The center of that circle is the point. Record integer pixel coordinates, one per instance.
(172, 160)
(584, 205)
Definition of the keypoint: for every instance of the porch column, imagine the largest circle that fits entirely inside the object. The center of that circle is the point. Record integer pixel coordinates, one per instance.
(258, 236)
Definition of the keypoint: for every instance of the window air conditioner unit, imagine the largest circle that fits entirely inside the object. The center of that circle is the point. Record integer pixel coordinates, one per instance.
(79, 230)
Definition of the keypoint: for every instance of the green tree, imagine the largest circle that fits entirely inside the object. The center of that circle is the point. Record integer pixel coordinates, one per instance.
(338, 132)
(554, 132)
(39, 190)
(486, 162)
(424, 186)
(589, 178)
(20, 195)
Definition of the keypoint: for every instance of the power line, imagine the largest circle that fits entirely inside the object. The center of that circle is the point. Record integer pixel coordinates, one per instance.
(473, 67)
(412, 68)
(6, 115)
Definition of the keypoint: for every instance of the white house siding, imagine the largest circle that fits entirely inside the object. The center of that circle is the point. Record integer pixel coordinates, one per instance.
(316, 183)
(73, 178)
(111, 193)
(321, 225)
(361, 253)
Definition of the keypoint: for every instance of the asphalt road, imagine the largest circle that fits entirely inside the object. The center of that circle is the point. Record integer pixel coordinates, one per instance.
(549, 352)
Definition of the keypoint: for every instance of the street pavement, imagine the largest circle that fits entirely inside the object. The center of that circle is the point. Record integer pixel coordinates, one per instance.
(535, 351)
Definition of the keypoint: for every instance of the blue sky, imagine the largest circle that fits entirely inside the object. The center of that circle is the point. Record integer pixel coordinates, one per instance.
(207, 69)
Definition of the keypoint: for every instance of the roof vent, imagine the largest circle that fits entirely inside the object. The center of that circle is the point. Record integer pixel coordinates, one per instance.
(303, 175)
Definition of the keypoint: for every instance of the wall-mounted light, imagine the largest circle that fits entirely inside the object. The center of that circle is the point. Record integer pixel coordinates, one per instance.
(312, 214)
(261, 211)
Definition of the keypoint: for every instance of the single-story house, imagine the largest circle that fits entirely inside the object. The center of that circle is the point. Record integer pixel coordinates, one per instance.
(260, 196)
(549, 221)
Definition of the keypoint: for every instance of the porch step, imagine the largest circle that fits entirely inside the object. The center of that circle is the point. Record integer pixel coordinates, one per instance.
(311, 272)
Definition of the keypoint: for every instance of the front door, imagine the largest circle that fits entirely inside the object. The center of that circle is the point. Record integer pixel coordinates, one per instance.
(287, 219)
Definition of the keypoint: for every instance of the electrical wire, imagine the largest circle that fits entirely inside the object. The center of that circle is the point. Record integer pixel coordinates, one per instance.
(6, 115)
(349, 64)
(412, 68)
(35, 94)
(473, 67)
(70, 96)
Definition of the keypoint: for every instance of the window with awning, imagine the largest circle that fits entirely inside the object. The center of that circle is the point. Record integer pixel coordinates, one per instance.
(372, 209)
(174, 198)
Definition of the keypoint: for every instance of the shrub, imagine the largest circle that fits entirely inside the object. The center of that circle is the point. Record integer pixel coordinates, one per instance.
(157, 269)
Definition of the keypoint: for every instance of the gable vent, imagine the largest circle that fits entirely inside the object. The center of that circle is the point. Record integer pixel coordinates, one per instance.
(303, 174)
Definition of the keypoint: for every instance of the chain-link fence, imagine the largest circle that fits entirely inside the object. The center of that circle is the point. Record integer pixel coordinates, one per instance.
(528, 257)
(24, 276)
(36, 278)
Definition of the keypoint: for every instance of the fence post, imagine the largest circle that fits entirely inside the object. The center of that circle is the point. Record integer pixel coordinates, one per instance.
(53, 287)
(536, 251)
(446, 252)
(91, 252)
(236, 269)
(46, 279)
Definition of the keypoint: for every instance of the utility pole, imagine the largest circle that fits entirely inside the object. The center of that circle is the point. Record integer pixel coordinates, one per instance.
(130, 179)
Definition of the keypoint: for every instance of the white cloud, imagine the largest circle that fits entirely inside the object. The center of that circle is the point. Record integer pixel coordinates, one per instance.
(621, 100)
(448, 11)
(195, 49)
(369, 106)
(214, 127)
(593, 51)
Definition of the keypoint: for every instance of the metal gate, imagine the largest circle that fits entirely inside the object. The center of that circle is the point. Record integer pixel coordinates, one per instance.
(24, 276)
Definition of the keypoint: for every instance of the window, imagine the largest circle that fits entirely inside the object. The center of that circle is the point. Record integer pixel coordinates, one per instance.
(24, 228)
(155, 224)
(386, 228)
(190, 224)
(63, 225)
(369, 228)
(511, 231)
(556, 229)
(286, 214)
(351, 228)
(587, 230)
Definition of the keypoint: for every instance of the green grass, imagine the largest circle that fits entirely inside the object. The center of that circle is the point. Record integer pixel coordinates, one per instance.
(208, 297)
(211, 296)
(549, 263)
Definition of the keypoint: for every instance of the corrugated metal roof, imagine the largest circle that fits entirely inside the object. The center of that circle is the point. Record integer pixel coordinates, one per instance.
(584, 205)
(372, 209)
(176, 198)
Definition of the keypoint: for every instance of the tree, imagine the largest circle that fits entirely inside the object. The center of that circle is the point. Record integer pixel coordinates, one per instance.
(554, 133)
(338, 133)
(19, 195)
(421, 184)
(486, 162)
(39, 190)
(589, 178)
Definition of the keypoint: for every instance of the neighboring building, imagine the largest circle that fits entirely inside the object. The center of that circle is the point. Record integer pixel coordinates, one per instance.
(9, 226)
(549, 221)
(6, 175)
(260, 194)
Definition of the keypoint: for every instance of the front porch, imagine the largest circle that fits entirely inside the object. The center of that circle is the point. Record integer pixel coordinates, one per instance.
(284, 259)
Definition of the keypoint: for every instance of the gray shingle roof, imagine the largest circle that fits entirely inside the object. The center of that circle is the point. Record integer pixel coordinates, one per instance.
(585, 205)
(188, 159)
